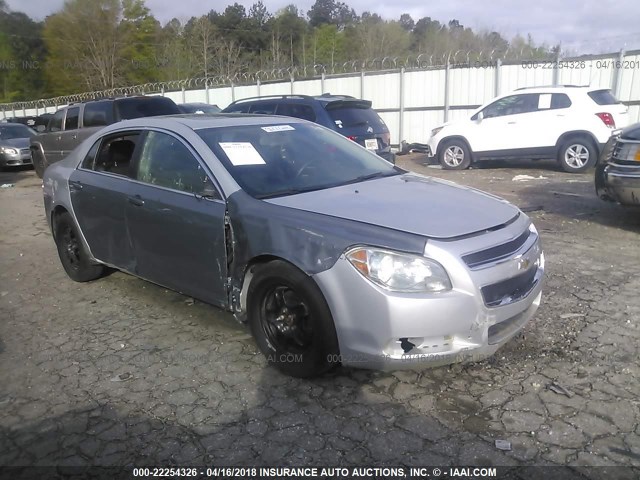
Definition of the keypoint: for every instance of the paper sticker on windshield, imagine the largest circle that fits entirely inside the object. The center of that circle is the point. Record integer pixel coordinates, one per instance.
(278, 128)
(544, 101)
(242, 153)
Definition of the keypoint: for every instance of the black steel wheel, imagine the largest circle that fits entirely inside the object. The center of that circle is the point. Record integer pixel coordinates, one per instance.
(291, 321)
(72, 253)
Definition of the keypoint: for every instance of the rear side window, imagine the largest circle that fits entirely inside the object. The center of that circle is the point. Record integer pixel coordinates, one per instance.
(97, 114)
(71, 122)
(603, 97)
(145, 107)
(349, 117)
(241, 108)
(297, 110)
(55, 124)
(263, 108)
(115, 154)
(560, 100)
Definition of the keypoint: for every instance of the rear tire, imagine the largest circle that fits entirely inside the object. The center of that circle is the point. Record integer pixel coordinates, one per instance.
(291, 321)
(577, 154)
(454, 155)
(37, 158)
(73, 256)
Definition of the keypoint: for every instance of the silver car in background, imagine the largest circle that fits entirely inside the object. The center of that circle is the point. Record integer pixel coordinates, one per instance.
(329, 253)
(14, 145)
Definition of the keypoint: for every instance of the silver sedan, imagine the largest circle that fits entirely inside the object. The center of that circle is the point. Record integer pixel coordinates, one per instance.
(14, 145)
(330, 254)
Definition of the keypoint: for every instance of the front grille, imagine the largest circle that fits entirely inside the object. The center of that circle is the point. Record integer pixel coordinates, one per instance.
(510, 290)
(25, 151)
(494, 254)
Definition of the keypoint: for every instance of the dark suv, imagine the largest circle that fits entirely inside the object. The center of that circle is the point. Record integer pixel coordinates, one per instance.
(352, 117)
(70, 125)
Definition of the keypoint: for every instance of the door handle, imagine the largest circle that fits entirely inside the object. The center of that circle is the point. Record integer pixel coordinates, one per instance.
(511, 123)
(136, 200)
(74, 136)
(75, 185)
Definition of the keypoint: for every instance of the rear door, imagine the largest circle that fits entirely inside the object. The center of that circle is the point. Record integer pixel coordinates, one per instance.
(50, 140)
(69, 135)
(100, 189)
(356, 120)
(177, 233)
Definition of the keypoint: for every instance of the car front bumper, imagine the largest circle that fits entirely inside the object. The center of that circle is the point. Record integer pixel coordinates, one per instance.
(619, 183)
(386, 330)
(21, 158)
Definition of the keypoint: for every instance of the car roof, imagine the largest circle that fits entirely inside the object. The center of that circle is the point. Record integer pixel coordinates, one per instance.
(199, 121)
(559, 88)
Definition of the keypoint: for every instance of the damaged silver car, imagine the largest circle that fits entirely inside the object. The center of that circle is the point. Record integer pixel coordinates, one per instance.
(330, 254)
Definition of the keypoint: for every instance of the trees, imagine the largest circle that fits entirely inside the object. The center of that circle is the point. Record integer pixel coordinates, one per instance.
(84, 46)
(22, 55)
(102, 44)
(139, 30)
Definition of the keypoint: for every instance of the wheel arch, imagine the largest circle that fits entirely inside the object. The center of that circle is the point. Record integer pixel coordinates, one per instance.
(240, 304)
(578, 134)
(447, 139)
(56, 213)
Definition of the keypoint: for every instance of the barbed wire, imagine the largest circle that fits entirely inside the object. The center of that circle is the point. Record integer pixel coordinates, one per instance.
(422, 61)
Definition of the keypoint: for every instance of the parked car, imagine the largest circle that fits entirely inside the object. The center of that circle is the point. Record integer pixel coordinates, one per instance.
(617, 176)
(70, 125)
(197, 107)
(349, 116)
(14, 145)
(281, 221)
(568, 123)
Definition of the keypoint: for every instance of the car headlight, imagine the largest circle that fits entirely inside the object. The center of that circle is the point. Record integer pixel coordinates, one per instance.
(435, 131)
(9, 151)
(399, 272)
(628, 152)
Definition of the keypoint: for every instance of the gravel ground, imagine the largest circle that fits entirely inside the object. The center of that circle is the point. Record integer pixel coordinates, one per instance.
(120, 371)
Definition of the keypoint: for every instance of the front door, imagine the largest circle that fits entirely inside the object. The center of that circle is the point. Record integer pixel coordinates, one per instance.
(176, 220)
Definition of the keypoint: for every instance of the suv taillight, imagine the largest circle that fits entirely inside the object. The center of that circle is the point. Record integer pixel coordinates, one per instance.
(607, 119)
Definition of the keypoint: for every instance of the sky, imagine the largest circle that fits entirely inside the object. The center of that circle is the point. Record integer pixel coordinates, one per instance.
(581, 26)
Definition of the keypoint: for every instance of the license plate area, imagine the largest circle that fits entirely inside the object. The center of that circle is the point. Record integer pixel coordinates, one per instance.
(371, 144)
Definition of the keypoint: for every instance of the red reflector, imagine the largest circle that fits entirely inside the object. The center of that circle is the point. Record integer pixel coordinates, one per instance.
(607, 119)
(352, 137)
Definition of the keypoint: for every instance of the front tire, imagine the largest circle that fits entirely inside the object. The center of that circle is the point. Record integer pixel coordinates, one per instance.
(291, 321)
(73, 256)
(577, 154)
(454, 155)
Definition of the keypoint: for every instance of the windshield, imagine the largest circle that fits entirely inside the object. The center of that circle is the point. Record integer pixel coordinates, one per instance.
(199, 108)
(352, 116)
(9, 132)
(146, 107)
(276, 160)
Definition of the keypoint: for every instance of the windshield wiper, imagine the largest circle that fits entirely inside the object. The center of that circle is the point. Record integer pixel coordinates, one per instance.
(287, 191)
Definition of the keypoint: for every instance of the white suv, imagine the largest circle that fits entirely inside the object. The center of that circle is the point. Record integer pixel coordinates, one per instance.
(568, 123)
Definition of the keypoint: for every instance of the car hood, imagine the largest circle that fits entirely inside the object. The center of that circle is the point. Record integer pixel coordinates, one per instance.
(410, 203)
(15, 143)
(632, 132)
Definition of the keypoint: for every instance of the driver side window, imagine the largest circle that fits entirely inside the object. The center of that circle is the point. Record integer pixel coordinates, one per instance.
(165, 161)
(512, 105)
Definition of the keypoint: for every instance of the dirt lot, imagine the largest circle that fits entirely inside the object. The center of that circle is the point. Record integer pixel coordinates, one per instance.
(119, 371)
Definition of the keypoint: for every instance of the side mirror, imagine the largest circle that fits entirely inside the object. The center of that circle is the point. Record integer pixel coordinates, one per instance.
(479, 116)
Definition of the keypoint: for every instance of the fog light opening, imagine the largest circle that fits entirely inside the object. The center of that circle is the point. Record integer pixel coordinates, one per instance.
(406, 345)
